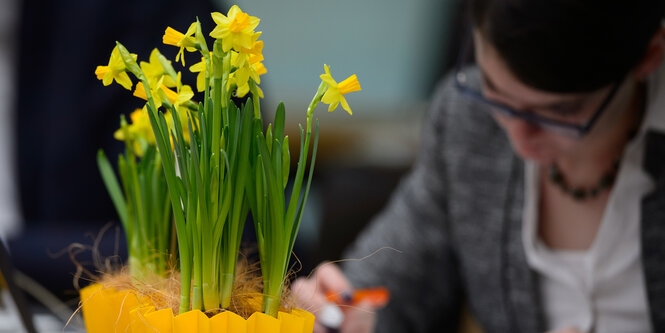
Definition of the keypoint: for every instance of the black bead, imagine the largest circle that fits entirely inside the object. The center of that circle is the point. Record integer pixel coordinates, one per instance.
(555, 175)
(606, 181)
(594, 192)
(579, 194)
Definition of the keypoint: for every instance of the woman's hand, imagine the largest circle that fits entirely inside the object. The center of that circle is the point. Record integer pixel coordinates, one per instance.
(310, 294)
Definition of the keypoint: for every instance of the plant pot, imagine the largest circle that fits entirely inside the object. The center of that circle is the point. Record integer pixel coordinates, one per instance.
(107, 310)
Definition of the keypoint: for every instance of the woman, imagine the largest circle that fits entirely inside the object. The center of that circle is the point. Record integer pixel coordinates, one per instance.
(538, 199)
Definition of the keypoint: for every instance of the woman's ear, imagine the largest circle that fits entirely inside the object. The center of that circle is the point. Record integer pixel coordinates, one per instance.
(653, 56)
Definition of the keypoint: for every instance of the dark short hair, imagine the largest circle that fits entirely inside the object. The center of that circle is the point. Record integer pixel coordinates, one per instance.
(568, 45)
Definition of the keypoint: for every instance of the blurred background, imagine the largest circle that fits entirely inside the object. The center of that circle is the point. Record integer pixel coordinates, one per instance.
(56, 114)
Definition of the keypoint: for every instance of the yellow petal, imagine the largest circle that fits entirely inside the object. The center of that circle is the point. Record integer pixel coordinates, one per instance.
(191, 30)
(258, 89)
(170, 94)
(140, 91)
(345, 105)
(219, 18)
(119, 135)
(200, 82)
(242, 90)
(124, 80)
(254, 22)
(328, 80)
(260, 68)
(233, 11)
(198, 67)
(331, 96)
(184, 95)
(108, 78)
(227, 43)
(333, 106)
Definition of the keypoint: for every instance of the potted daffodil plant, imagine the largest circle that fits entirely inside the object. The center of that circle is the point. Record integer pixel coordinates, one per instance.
(196, 166)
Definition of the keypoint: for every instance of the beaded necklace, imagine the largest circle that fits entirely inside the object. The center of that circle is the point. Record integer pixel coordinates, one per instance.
(581, 193)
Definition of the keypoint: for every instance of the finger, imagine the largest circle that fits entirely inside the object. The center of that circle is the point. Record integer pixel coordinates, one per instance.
(329, 277)
(359, 319)
(308, 295)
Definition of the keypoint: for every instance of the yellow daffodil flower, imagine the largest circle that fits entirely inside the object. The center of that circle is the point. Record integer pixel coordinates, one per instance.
(248, 66)
(242, 75)
(334, 95)
(138, 130)
(154, 71)
(236, 29)
(115, 70)
(178, 99)
(183, 41)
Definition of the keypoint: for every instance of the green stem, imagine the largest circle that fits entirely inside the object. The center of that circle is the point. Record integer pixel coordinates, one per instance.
(255, 99)
(185, 282)
(227, 287)
(211, 291)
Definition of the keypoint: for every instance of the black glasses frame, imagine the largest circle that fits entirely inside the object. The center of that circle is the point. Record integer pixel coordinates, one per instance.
(552, 125)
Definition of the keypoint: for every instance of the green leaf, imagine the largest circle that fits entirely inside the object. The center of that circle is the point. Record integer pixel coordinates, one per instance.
(286, 162)
(296, 227)
(129, 61)
(113, 187)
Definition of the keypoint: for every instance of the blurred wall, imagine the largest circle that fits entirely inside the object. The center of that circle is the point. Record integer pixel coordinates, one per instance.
(397, 48)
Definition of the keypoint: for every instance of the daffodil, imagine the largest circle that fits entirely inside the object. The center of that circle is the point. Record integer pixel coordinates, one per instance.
(138, 133)
(183, 41)
(248, 66)
(242, 75)
(236, 29)
(181, 97)
(154, 71)
(115, 70)
(335, 92)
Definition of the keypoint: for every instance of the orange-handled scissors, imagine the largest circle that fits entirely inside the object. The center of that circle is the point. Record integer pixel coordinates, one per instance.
(376, 297)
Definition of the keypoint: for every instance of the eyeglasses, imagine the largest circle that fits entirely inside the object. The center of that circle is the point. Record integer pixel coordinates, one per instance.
(462, 82)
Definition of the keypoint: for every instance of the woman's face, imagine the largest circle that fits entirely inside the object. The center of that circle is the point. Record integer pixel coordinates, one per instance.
(528, 140)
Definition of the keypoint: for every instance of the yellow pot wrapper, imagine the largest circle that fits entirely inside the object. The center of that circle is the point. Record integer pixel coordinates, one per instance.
(108, 311)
